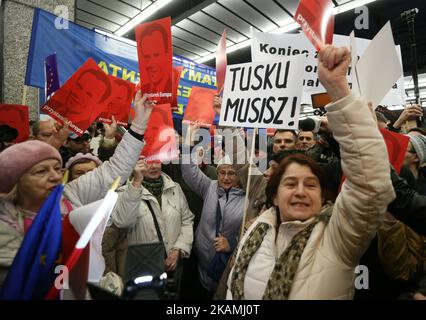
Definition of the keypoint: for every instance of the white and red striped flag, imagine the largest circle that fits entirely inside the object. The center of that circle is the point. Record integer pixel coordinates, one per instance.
(84, 262)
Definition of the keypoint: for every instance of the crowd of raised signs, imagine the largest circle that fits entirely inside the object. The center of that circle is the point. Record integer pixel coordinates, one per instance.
(333, 207)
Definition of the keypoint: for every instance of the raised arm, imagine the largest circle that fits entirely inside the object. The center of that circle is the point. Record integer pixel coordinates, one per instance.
(94, 185)
(367, 190)
(126, 210)
(186, 236)
(191, 173)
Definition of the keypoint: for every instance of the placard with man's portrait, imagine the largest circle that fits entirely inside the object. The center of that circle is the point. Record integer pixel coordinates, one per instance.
(16, 117)
(160, 139)
(200, 106)
(119, 102)
(154, 43)
(82, 98)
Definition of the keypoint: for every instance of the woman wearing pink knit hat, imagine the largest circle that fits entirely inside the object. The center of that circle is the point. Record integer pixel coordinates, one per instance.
(29, 171)
(81, 164)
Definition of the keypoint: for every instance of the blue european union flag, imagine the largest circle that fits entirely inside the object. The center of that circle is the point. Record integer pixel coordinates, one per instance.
(32, 273)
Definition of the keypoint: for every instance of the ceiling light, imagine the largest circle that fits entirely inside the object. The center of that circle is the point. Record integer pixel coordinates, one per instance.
(143, 15)
(287, 28)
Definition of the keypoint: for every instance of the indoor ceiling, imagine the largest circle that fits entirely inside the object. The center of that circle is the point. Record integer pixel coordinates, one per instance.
(198, 24)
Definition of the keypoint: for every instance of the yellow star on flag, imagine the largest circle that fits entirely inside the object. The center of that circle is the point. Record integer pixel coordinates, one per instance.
(43, 259)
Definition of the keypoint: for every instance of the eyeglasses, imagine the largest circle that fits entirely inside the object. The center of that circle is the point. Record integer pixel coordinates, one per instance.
(46, 134)
(230, 174)
(81, 140)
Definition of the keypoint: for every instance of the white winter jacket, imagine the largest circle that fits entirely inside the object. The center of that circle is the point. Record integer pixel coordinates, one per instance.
(326, 267)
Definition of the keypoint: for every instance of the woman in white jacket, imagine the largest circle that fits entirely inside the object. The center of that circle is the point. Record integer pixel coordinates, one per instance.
(300, 249)
(152, 188)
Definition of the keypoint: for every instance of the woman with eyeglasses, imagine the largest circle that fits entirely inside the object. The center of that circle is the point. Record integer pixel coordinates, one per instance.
(415, 158)
(221, 218)
(30, 170)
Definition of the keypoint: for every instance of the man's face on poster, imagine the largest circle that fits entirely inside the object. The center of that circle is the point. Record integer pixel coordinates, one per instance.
(154, 56)
(82, 97)
(155, 129)
(159, 134)
(16, 117)
(202, 107)
(118, 102)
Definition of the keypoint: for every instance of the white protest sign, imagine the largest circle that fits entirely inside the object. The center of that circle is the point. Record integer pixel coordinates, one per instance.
(263, 94)
(379, 67)
(267, 45)
(398, 89)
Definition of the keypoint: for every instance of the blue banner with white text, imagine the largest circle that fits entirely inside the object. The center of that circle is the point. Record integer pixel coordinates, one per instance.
(74, 44)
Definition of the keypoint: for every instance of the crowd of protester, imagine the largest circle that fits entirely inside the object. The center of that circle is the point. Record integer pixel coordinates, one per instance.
(328, 202)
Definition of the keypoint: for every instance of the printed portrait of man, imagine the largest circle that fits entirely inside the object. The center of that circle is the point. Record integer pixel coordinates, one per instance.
(119, 103)
(84, 99)
(17, 117)
(159, 133)
(155, 56)
(200, 105)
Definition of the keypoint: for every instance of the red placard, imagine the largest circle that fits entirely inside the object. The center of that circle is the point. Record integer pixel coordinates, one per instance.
(119, 103)
(316, 18)
(17, 117)
(82, 98)
(160, 136)
(177, 71)
(155, 59)
(397, 145)
(221, 62)
(200, 106)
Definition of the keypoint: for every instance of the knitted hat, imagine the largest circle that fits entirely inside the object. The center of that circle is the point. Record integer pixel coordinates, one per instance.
(80, 156)
(419, 144)
(16, 160)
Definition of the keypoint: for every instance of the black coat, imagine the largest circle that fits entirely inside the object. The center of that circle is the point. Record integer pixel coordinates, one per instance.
(409, 206)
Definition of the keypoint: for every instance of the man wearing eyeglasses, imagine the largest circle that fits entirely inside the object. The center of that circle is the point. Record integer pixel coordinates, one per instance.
(74, 145)
(42, 130)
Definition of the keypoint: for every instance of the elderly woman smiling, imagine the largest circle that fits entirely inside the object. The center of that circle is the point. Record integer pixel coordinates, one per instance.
(300, 248)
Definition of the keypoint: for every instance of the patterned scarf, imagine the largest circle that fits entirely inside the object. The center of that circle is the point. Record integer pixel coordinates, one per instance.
(155, 187)
(281, 279)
